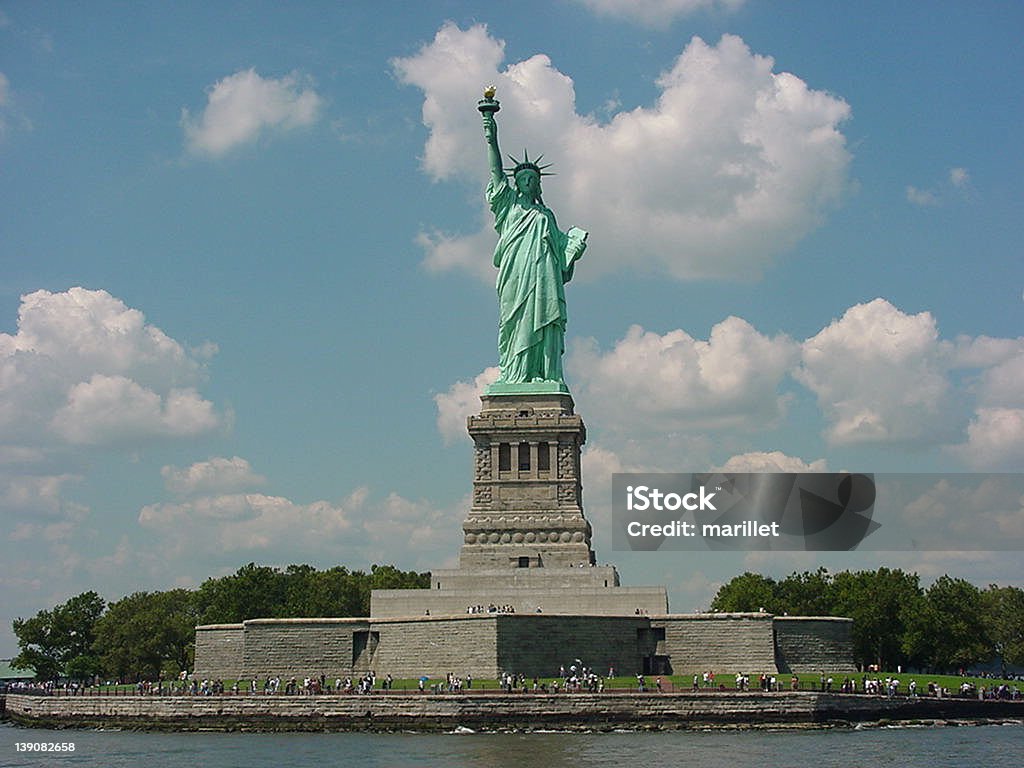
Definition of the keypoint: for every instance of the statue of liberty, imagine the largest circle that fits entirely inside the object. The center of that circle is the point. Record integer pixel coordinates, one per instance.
(534, 259)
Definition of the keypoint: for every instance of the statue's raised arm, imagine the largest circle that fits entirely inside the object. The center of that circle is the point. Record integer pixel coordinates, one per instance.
(488, 106)
(534, 260)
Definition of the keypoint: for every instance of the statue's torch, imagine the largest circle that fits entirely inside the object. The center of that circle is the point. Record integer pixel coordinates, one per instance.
(488, 105)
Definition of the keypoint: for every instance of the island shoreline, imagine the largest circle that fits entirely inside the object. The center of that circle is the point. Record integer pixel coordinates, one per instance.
(501, 712)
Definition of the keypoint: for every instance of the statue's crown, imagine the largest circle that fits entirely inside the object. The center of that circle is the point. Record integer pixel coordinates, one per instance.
(527, 164)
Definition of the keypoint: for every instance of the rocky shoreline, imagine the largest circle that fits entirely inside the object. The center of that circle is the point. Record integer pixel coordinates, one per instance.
(501, 712)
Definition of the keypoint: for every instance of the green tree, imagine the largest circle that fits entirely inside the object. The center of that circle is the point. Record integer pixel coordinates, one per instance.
(59, 642)
(390, 577)
(880, 603)
(805, 594)
(252, 592)
(948, 631)
(1003, 610)
(747, 593)
(143, 632)
(334, 592)
(301, 590)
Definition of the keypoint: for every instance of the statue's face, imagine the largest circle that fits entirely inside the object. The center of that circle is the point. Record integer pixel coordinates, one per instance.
(528, 182)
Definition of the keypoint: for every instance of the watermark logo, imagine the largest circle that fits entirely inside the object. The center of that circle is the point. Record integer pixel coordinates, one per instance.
(642, 498)
(742, 511)
(840, 511)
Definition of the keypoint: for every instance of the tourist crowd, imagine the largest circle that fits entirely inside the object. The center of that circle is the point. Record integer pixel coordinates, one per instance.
(577, 677)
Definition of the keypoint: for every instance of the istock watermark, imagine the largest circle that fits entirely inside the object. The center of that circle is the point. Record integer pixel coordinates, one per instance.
(817, 511)
(642, 498)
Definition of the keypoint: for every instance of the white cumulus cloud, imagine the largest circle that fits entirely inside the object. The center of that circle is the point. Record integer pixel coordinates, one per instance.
(883, 376)
(880, 375)
(673, 381)
(35, 496)
(1002, 382)
(84, 368)
(243, 106)
(219, 475)
(731, 165)
(115, 409)
(233, 522)
(82, 371)
(469, 252)
(459, 402)
(995, 440)
(357, 528)
(81, 330)
(995, 434)
(421, 530)
(771, 461)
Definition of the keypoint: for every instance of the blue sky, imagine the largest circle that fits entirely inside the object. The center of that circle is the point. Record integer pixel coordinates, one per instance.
(245, 300)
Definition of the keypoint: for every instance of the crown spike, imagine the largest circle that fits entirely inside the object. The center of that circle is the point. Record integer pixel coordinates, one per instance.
(527, 163)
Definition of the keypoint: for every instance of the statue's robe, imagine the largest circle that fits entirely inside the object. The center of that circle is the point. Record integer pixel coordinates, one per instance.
(534, 259)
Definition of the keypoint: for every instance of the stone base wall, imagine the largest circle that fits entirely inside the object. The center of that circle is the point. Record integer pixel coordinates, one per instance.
(726, 643)
(598, 601)
(220, 649)
(547, 578)
(538, 645)
(485, 645)
(306, 647)
(813, 644)
(411, 648)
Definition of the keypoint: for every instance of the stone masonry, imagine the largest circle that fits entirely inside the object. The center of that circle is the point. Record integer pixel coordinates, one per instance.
(527, 485)
(528, 596)
(526, 542)
(813, 643)
(723, 642)
(495, 711)
(485, 645)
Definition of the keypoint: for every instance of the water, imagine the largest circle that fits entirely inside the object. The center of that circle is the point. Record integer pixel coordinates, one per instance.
(989, 746)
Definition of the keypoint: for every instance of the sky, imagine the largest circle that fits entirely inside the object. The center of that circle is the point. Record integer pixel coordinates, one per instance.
(246, 298)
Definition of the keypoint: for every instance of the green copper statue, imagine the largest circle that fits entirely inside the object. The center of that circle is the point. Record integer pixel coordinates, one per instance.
(534, 259)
